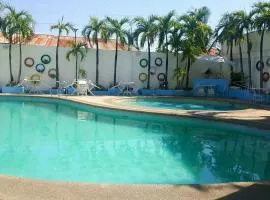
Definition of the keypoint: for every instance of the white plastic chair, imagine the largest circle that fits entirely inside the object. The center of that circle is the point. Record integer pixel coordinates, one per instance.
(125, 88)
(92, 86)
(201, 91)
(211, 91)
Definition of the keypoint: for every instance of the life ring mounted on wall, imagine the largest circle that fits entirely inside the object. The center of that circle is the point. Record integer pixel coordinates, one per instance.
(158, 61)
(40, 68)
(35, 79)
(29, 62)
(46, 59)
(266, 76)
(143, 63)
(260, 65)
(143, 77)
(161, 77)
(52, 73)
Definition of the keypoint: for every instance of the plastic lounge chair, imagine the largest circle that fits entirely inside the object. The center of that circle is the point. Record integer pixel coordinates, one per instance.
(82, 87)
(92, 86)
(211, 91)
(124, 88)
(199, 91)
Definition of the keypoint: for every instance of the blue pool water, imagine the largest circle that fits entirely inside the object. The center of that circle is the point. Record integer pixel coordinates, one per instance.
(181, 104)
(43, 139)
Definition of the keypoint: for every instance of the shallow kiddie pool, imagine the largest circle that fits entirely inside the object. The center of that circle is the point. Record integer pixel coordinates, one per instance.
(181, 104)
(60, 140)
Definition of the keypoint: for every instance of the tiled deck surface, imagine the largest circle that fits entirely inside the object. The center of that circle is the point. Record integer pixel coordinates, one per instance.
(22, 189)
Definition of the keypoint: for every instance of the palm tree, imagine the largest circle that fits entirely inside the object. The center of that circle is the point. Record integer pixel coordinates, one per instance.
(197, 36)
(261, 14)
(243, 23)
(117, 28)
(175, 44)
(226, 32)
(202, 14)
(77, 49)
(26, 31)
(11, 24)
(92, 32)
(131, 36)
(146, 32)
(61, 27)
(164, 26)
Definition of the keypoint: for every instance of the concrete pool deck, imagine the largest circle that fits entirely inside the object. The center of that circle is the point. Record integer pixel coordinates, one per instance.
(12, 188)
(252, 115)
(255, 116)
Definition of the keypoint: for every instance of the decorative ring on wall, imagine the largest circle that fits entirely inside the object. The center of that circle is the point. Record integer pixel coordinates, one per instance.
(35, 78)
(52, 73)
(143, 77)
(143, 63)
(266, 76)
(29, 62)
(40, 68)
(268, 62)
(260, 65)
(158, 61)
(161, 77)
(46, 59)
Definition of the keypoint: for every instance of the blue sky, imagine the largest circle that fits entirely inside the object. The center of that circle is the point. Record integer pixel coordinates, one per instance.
(78, 12)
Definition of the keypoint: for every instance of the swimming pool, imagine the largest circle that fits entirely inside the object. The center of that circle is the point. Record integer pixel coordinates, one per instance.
(183, 104)
(60, 140)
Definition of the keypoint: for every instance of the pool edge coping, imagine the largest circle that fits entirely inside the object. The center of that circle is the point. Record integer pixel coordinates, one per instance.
(109, 103)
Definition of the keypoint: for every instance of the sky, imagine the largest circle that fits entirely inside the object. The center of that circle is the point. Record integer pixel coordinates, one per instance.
(78, 12)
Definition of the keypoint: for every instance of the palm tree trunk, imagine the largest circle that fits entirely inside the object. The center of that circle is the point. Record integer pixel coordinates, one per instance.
(249, 59)
(10, 61)
(115, 62)
(231, 55)
(149, 64)
(188, 68)
(167, 61)
(177, 63)
(56, 60)
(261, 57)
(231, 50)
(20, 63)
(241, 58)
(97, 62)
(76, 66)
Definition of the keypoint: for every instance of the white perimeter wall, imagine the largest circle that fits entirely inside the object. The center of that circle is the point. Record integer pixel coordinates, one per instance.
(128, 68)
(255, 57)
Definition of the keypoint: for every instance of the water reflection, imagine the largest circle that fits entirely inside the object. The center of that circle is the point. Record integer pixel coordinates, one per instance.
(54, 141)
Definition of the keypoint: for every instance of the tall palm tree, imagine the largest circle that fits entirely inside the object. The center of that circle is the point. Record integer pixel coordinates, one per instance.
(202, 14)
(61, 27)
(117, 29)
(164, 26)
(261, 15)
(26, 31)
(243, 24)
(146, 33)
(92, 32)
(77, 49)
(175, 44)
(226, 32)
(11, 24)
(197, 36)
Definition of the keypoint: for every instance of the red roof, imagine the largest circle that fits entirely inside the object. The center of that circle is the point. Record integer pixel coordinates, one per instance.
(65, 41)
